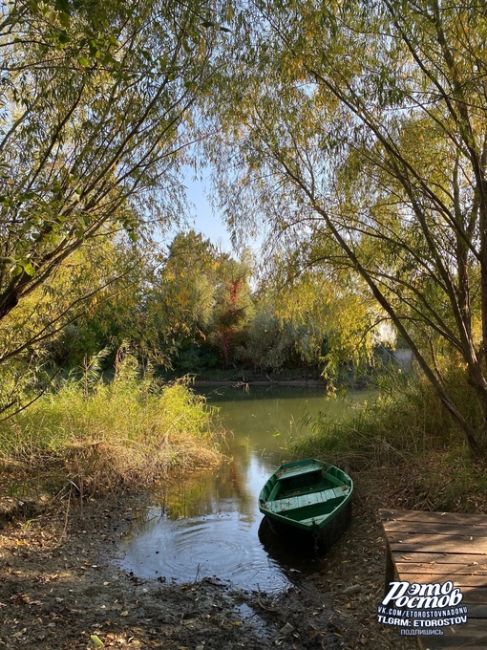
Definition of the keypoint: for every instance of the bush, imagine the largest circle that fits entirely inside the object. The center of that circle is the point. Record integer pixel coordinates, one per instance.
(408, 434)
(99, 434)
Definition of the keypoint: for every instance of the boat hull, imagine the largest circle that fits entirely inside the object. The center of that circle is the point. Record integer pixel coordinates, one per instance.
(320, 540)
(308, 499)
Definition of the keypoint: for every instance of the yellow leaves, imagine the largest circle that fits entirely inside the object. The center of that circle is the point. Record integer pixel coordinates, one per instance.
(113, 640)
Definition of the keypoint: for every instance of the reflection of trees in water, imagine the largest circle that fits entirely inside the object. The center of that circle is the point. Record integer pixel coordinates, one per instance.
(271, 418)
(238, 476)
(261, 426)
(205, 492)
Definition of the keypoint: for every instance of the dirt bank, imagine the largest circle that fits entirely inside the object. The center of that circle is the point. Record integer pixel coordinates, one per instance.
(61, 589)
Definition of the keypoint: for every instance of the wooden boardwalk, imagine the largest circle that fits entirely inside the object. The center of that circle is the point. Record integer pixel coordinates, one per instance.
(435, 547)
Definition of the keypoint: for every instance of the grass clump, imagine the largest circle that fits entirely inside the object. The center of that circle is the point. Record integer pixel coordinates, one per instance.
(408, 440)
(102, 434)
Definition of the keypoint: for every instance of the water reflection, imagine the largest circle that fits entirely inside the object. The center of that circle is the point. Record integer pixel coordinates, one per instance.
(208, 525)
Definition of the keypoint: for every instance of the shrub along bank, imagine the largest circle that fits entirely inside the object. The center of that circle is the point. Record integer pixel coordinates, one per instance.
(409, 445)
(100, 435)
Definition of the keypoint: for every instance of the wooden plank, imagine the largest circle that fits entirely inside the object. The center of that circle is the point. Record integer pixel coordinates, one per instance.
(476, 540)
(476, 610)
(457, 571)
(394, 534)
(436, 546)
(474, 594)
(459, 580)
(470, 559)
(472, 568)
(438, 517)
(433, 527)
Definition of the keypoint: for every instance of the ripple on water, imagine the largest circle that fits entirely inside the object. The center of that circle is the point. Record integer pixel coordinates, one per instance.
(214, 528)
(185, 550)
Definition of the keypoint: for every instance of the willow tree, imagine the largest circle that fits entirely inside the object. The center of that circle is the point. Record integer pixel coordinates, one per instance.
(362, 134)
(96, 116)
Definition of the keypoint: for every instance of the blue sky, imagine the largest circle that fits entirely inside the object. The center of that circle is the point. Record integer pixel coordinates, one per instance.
(205, 218)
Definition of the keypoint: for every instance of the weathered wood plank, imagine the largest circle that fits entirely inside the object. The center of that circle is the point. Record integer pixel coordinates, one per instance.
(438, 517)
(472, 582)
(474, 594)
(434, 545)
(477, 541)
(476, 611)
(427, 528)
(456, 571)
(469, 559)
(460, 580)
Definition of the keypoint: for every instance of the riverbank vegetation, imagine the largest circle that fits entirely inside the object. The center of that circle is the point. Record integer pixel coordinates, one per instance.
(405, 444)
(94, 129)
(204, 312)
(98, 435)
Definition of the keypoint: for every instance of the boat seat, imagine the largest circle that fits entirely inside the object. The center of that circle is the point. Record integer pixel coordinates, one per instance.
(289, 472)
(295, 503)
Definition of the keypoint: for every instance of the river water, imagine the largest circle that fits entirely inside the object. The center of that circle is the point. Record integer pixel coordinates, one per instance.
(209, 526)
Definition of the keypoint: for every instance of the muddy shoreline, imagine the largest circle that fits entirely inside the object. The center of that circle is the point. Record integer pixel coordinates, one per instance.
(61, 589)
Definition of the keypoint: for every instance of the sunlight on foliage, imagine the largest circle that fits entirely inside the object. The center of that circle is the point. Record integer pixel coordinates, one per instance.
(100, 433)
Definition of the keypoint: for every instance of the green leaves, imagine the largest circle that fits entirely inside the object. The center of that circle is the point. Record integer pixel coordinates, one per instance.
(28, 268)
(97, 99)
(363, 124)
(84, 61)
(63, 6)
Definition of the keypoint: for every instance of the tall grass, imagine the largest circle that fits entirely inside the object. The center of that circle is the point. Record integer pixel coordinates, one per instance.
(99, 434)
(408, 435)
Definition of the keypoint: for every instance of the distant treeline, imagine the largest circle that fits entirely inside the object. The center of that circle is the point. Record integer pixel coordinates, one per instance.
(200, 309)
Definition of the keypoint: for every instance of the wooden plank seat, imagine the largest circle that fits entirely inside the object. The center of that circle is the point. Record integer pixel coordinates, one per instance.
(313, 498)
(289, 472)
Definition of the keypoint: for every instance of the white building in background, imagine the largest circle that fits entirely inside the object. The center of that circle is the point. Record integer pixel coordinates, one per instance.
(386, 335)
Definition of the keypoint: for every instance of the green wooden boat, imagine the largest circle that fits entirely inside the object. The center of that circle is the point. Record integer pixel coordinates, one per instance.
(309, 496)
